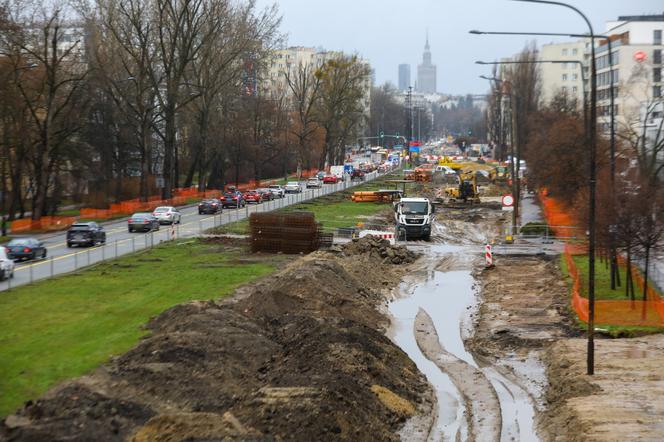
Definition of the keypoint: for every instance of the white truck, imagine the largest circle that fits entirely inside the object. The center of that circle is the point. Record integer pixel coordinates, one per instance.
(414, 218)
(338, 171)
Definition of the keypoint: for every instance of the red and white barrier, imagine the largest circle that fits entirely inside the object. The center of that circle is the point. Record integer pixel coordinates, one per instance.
(488, 255)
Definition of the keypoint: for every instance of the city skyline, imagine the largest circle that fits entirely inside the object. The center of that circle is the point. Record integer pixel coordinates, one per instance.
(386, 42)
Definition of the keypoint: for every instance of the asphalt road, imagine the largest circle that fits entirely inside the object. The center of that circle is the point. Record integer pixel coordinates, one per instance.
(119, 241)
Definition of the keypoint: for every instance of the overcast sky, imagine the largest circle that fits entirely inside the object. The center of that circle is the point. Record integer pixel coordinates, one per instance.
(390, 32)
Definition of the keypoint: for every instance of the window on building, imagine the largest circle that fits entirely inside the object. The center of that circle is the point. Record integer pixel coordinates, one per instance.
(657, 56)
(564, 77)
(575, 77)
(564, 89)
(575, 51)
(657, 75)
(565, 51)
(656, 91)
(574, 89)
(657, 37)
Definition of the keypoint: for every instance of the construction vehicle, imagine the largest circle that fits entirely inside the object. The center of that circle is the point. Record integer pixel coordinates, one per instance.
(413, 218)
(445, 161)
(466, 190)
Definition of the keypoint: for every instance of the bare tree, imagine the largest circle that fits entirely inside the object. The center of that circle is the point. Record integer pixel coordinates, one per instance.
(344, 87)
(304, 81)
(49, 76)
(642, 125)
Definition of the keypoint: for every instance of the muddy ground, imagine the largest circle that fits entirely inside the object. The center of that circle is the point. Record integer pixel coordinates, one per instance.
(301, 355)
(524, 328)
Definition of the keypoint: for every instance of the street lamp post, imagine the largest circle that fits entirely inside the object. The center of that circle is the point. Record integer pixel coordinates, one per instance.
(611, 79)
(592, 183)
(513, 171)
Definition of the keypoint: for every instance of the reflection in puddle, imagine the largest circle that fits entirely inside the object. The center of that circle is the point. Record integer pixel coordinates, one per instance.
(448, 296)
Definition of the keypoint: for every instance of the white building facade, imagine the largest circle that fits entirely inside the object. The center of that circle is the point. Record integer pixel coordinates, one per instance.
(562, 78)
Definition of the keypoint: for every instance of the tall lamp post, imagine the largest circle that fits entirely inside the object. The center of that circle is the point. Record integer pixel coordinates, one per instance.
(611, 79)
(592, 181)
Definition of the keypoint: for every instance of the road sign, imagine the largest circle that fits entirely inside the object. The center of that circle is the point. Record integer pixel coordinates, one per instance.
(508, 203)
(488, 255)
(640, 56)
(382, 134)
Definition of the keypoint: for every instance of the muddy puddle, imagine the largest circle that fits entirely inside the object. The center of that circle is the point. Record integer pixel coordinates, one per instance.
(445, 290)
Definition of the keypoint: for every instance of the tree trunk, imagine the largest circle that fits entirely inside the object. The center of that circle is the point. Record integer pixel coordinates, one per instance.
(644, 309)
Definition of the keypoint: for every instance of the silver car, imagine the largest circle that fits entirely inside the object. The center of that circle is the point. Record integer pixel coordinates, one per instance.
(167, 215)
(6, 265)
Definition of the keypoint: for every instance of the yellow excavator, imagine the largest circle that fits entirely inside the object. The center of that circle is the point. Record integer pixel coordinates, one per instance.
(466, 190)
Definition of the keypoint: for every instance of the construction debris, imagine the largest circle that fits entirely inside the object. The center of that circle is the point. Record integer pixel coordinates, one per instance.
(379, 248)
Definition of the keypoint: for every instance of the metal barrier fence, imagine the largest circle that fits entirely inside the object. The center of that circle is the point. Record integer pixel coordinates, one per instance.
(77, 259)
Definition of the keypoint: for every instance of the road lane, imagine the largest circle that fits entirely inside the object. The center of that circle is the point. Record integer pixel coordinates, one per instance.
(119, 241)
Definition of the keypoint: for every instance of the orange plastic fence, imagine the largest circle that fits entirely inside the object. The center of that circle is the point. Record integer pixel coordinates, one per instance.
(616, 312)
(607, 312)
(181, 197)
(557, 216)
(45, 223)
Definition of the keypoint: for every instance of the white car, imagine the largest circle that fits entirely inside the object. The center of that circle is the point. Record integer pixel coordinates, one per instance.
(277, 190)
(167, 215)
(314, 183)
(292, 187)
(6, 265)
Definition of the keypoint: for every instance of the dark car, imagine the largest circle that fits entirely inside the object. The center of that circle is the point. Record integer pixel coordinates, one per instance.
(25, 248)
(85, 234)
(253, 196)
(357, 175)
(209, 206)
(233, 199)
(267, 194)
(142, 222)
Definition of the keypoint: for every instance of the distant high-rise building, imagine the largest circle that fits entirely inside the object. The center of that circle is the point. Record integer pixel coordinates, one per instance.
(404, 77)
(426, 72)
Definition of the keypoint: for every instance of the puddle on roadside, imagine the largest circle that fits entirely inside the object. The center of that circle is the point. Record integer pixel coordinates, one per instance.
(448, 296)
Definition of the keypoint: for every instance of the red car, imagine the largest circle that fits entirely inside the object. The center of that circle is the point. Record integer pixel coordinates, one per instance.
(330, 179)
(253, 196)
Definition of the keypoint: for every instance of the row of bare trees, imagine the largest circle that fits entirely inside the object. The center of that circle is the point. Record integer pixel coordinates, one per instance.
(100, 97)
(551, 137)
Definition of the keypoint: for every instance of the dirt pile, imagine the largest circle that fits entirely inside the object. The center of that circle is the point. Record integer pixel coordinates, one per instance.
(299, 356)
(623, 400)
(380, 249)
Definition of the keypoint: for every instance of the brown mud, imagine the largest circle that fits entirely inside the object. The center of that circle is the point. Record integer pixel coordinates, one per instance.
(301, 355)
(524, 328)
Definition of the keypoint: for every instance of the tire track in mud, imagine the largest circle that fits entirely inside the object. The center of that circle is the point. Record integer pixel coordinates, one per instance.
(483, 412)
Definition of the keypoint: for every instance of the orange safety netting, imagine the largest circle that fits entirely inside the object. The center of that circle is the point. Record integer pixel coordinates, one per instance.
(181, 197)
(45, 223)
(558, 217)
(607, 312)
(616, 312)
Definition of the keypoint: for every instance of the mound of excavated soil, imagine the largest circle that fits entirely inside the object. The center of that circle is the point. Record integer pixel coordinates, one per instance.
(380, 249)
(299, 356)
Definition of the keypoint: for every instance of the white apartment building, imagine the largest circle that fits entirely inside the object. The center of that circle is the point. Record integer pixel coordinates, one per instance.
(289, 59)
(566, 78)
(636, 70)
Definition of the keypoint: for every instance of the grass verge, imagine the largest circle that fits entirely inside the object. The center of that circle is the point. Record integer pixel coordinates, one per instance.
(333, 211)
(64, 327)
(603, 292)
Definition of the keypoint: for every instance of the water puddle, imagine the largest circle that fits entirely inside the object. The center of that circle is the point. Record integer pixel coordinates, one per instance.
(448, 296)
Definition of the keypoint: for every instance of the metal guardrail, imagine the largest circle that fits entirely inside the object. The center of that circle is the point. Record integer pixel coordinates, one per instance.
(75, 260)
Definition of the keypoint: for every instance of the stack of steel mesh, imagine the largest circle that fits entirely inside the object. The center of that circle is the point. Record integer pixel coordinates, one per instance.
(296, 232)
